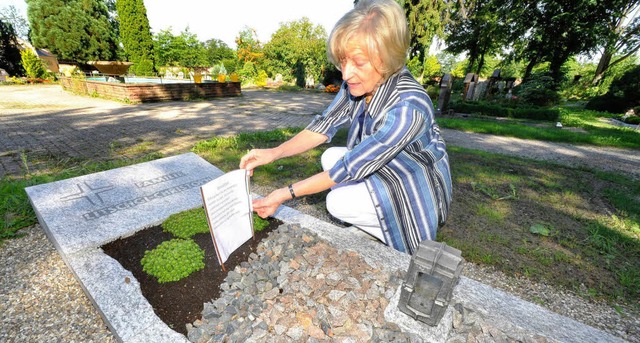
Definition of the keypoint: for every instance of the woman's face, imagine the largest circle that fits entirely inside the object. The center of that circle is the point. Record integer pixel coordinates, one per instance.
(359, 69)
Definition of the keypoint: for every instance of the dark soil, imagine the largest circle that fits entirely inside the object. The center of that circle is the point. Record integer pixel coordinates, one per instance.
(181, 302)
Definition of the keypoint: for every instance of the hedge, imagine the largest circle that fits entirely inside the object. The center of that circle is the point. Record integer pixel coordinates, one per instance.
(493, 110)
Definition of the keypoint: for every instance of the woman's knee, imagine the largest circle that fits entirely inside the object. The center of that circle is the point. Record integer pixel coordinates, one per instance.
(331, 156)
(334, 205)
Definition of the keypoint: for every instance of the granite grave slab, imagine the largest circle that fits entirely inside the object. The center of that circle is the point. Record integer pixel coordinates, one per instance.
(95, 209)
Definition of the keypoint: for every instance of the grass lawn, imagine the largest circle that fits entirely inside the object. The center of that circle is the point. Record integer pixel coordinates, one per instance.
(582, 127)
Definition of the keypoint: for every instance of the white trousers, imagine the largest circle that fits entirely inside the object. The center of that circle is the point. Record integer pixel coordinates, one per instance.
(351, 201)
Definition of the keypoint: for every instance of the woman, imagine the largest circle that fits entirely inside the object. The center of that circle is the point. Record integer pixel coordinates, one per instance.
(392, 180)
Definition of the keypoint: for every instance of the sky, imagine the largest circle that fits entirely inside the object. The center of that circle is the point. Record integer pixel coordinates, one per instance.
(225, 19)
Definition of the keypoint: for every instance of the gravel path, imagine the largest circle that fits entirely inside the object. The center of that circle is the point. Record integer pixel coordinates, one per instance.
(41, 301)
(625, 161)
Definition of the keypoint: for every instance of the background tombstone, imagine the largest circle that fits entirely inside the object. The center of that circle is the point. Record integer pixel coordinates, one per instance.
(469, 85)
(479, 91)
(493, 86)
(445, 94)
(509, 84)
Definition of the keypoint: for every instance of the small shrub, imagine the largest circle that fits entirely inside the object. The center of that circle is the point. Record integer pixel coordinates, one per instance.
(143, 67)
(495, 110)
(331, 75)
(623, 94)
(539, 90)
(607, 103)
(187, 223)
(173, 260)
(635, 120)
(33, 65)
(628, 87)
(261, 79)
(259, 224)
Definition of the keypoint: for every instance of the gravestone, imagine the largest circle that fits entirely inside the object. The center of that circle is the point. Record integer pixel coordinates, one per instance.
(309, 82)
(3, 75)
(494, 83)
(479, 90)
(469, 85)
(92, 210)
(445, 93)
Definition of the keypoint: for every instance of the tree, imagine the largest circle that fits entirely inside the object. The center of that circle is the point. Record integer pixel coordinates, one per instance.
(425, 19)
(297, 48)
(477, 30)
(431, 67)
(183, 50)
(10, 59)
(217, 51)
(33, 65)
(72, 29)
(622, 37)
(249, 48)
(446, 60)
(10, 15)
(554, 30)
(135, 34)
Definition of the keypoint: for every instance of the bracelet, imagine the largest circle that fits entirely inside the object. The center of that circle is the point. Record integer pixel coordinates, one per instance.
(293, 195)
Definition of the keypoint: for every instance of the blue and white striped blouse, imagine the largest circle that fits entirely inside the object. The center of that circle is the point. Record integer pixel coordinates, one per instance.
(398, 152)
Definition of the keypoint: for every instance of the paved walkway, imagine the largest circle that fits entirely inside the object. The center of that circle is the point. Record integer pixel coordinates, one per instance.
(40, 123)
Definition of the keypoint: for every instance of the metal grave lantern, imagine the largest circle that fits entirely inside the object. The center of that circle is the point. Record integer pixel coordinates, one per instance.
(433, 272)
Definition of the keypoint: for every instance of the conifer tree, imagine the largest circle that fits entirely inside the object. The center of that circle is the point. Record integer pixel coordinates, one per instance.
(72, 29)
(9, 51)
(135, 34)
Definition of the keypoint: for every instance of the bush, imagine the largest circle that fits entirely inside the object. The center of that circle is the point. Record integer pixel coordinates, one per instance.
(607, 103)
(331, 75)
(623, 94)
(628, 86)
(540, 97)
(635, 120)
(142, 68)
(495, 110)
(458, 85)
(33, 66)
(261, 79)
(538, 91)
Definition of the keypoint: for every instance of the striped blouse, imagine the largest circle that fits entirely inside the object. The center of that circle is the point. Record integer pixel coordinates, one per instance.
(394, 145)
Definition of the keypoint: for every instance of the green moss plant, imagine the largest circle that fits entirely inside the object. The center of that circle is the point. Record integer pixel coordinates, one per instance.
(187, 223)
(259, 224)
(173, 260)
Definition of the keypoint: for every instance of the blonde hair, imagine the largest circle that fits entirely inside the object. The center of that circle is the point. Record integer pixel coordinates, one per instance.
(382, 26)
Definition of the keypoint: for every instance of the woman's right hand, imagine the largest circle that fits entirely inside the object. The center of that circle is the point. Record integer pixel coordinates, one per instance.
(257, 157)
